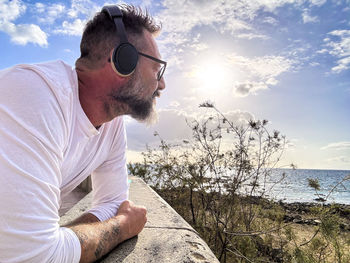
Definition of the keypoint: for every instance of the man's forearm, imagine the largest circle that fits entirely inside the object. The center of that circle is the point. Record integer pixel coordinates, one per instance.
(97, 238)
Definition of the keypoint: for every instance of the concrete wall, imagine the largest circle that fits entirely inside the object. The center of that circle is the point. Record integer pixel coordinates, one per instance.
(86, 185)
(167, 237)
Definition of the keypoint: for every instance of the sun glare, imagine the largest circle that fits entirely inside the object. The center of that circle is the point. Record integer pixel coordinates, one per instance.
(211, 77)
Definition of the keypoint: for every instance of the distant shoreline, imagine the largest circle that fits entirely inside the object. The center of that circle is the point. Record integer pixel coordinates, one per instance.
(311, 204)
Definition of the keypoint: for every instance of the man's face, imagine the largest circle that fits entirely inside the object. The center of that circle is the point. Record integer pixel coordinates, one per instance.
(140, 91)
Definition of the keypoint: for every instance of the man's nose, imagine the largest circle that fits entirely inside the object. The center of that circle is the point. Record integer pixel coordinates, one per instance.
(161, 84)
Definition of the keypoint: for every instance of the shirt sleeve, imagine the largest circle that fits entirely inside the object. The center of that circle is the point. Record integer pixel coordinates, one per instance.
(110, 180)
(31, 151)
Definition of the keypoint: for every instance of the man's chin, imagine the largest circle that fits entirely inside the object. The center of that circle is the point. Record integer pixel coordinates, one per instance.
(150, 119)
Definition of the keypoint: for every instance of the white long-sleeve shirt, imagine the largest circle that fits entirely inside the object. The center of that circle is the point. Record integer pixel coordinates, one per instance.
(47, 147)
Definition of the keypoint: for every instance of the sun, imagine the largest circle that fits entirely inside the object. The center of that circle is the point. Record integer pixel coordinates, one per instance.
(211, 76)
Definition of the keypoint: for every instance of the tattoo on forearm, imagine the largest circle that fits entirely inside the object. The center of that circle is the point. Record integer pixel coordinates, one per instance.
(102, 244)
(82, 237)
(106, 239)
(116, 230)
(97, 239)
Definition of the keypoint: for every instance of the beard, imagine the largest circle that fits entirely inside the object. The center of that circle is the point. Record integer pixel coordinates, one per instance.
(141, 109)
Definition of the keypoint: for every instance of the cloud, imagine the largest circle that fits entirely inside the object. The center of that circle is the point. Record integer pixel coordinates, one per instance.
(339, 159)
(244, 89)
(199, 46)
(182, 19)
(252, 36)
(172, 126)
(261, 72)
(343, 64)
(24, 33)
(20, 34)
(182, 16)
(74, 28)
(307, 18)
(239, 75)
(270, 20)
(314, 64)
(264, 67)
(291, 144)
(86, 8)
(49, 13)
(174, 104)
(337, 146)
(239, 117)
(76, 17)
(11, 10)
(233, 25)
(139, 135)
(322, 51)
(146, 3)
(340, 48)
(318, 2)
(39, 7)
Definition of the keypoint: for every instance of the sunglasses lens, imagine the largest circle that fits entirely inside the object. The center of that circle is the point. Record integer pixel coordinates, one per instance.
(161, 72)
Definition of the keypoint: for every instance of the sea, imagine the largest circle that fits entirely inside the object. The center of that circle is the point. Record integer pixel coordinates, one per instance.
(295, 187)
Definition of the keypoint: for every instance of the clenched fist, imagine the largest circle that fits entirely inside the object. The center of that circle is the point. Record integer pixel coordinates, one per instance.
(132, 219)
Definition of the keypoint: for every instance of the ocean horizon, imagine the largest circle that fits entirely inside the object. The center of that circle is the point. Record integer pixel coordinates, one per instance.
(295, 187)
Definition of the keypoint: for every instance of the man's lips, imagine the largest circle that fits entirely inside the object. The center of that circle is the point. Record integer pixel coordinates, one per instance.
(156, 94)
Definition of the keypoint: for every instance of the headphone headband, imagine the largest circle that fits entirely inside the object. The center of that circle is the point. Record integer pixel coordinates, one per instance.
(125, 55)
(116, 15)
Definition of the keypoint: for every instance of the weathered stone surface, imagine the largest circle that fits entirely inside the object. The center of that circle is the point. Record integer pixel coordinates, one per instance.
(167, 237)
(82, 206)
(71, 199)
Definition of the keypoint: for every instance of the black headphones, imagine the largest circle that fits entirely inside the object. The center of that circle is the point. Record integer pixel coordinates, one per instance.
(125, 56)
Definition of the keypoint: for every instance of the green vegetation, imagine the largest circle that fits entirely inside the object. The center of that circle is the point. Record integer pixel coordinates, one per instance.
(219, 183)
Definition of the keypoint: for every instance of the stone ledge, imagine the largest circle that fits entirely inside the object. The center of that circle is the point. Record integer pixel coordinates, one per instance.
(167, 237)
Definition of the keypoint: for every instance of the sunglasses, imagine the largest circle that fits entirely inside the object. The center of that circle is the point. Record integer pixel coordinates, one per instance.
(162, 68)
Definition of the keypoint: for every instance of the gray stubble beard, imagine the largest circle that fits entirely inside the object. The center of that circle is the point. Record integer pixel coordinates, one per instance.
(141, 109)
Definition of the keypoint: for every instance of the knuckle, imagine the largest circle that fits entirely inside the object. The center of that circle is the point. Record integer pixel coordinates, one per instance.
(126, 203)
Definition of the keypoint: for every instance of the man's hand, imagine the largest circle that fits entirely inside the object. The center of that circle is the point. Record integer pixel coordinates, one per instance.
(133, 216)
(98, 238)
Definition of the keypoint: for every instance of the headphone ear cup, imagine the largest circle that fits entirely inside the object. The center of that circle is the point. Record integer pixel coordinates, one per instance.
(125, 58)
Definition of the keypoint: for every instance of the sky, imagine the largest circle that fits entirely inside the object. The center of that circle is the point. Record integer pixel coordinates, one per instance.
(287, 61)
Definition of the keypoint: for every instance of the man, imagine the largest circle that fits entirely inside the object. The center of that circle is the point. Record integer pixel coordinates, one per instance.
(59, 125)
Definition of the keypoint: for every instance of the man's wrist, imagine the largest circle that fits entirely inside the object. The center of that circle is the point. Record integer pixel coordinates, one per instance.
(120, 224)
